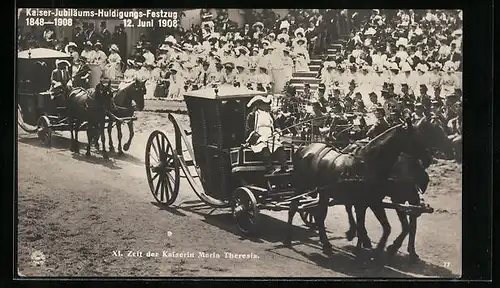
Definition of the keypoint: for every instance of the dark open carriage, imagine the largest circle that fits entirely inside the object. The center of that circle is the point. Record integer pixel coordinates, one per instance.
(35, 110)
(220, 170)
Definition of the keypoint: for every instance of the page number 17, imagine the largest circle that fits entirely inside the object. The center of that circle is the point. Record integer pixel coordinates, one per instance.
(446, 264)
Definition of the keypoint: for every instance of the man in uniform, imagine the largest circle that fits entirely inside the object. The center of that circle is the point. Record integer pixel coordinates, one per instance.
(352, 87)
(380, 126)
(306, 94)
(424, 98)
(81, 74)
(406, 96)
(105, 36)
(419, 112)
(204, 75)
(390, 102)
(450, 107)
(373, 102)
(60, 82)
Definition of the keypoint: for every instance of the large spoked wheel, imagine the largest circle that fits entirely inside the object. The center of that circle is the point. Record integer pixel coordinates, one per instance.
(20, 121)
(308, 218)
(162, 168)
(245, 211)
(44, 131)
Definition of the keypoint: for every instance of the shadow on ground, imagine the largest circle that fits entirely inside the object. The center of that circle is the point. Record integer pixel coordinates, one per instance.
(62, 143)
(342, 260)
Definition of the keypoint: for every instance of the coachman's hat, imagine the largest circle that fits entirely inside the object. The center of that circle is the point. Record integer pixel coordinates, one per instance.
(259, 98)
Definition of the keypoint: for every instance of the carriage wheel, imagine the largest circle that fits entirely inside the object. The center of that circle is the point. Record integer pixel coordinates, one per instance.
(244, 210)
(308, 218)
(44, 131)
(20, 121)
(162, 168)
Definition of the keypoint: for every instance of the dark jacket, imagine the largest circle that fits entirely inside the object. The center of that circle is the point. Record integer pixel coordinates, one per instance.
(379, 127)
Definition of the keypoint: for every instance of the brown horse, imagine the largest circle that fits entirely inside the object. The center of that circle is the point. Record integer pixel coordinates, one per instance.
(127, 100)
(91, 106)
(415, 181)
(358, 178)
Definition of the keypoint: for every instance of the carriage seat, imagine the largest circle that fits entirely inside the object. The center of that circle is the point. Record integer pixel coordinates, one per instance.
(245, 160)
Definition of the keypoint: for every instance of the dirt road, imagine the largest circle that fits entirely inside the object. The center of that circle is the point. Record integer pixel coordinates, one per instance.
(78, 212)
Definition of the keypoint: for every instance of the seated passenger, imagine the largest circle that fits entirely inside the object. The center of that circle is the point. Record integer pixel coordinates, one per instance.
(263, 137)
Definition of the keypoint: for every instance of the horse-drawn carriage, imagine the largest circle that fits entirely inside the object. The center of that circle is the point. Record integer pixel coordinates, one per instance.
(37, 110)
(220, 169)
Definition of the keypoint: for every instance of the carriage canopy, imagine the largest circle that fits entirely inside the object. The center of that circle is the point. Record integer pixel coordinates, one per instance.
(224, 92)
(41, 53)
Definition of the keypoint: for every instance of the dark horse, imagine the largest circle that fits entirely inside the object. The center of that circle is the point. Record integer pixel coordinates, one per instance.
(413, 180)
(92, 106)
(358, 178)
(127, 100)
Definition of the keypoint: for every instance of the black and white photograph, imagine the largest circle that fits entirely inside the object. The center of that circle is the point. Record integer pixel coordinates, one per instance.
(239, 143)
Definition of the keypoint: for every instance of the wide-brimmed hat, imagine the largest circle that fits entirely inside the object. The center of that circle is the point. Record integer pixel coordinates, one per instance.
(70, 44)
(175, 67)
(170, 39)
(258, 24)
(436, 66)
(114, 48)
(244, 50)
(187, 47)
(98, 44)
(394, 66)
(299, 30)
(284, 25)
(284, 37)
(370, 31)
(449, 66)
(402, 42)
(163, 47)
(61, 61)
(422, 67)
(302, 39)
(228, 64)
(259, 98)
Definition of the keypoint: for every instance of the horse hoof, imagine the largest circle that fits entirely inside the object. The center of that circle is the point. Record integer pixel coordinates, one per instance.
(350, 235)
(105, 157)
(327, 249)
(126, 146)
(414, 259)
(87, 154)
(367, 245)
(120, 153)
(392, 250)
(111, 149)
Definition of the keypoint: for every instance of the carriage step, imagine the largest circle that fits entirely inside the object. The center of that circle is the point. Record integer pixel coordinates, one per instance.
(406, 208)
(278, 175)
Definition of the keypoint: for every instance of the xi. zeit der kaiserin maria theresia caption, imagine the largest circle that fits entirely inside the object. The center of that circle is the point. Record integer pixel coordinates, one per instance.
(175, 254)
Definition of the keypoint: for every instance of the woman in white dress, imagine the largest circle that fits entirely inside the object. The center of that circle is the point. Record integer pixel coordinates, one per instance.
(301, 62)
(176, 86)
(113, 68)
